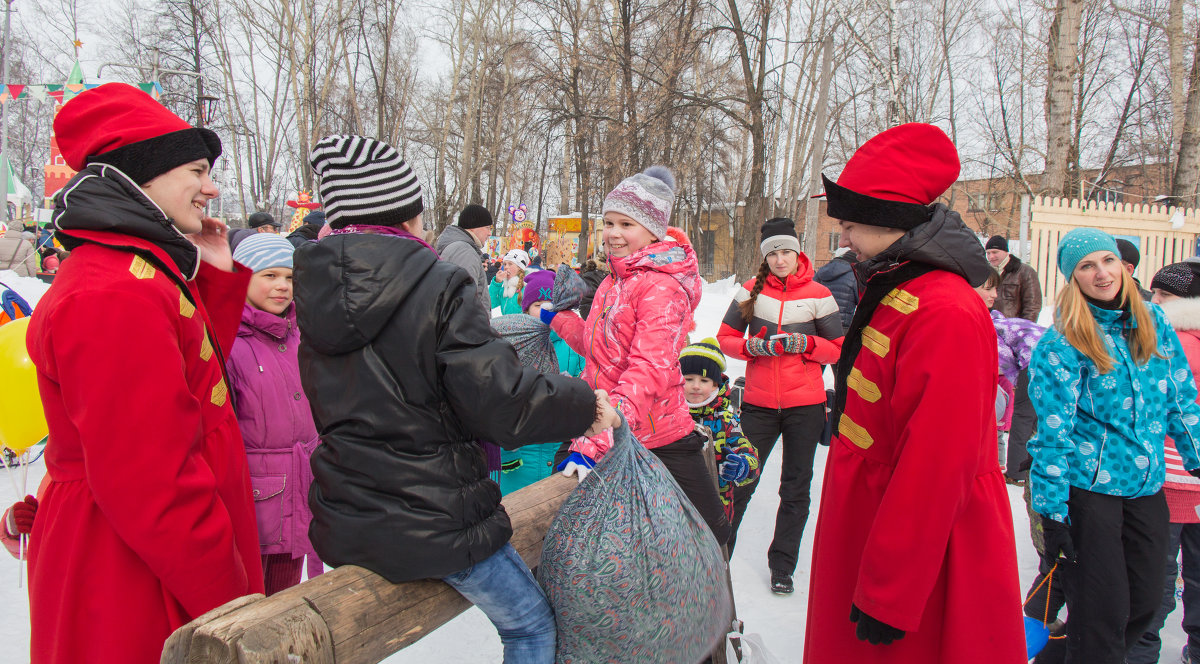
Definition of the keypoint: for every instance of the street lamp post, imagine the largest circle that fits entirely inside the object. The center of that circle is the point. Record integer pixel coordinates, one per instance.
(4, 160)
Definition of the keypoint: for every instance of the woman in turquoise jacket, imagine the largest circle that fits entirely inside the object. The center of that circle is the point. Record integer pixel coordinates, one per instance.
(1109, 381)
(506, 289)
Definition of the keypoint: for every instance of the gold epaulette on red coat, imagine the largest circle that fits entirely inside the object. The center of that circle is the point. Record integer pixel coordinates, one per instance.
(854, 433)
(865, 389)
(142, 269)
(901, 300)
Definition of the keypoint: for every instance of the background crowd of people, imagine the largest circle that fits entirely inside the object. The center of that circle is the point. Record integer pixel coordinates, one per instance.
(361, 392)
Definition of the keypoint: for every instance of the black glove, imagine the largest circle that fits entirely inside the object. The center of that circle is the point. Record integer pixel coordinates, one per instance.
(871, 630)
(1056, 542)
(1195, 472)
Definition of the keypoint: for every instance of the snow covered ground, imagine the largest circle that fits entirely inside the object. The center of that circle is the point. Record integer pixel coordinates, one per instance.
(470, 638)
(27, 287)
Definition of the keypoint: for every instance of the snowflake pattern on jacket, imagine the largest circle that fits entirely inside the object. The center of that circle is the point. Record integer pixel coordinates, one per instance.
(1104, 432)
(726, 427)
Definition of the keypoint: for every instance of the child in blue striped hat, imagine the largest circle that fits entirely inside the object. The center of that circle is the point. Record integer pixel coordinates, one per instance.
(273, 414)
(269, 256)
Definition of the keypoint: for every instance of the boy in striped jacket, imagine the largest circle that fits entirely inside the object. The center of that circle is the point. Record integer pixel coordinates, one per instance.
(706, 389)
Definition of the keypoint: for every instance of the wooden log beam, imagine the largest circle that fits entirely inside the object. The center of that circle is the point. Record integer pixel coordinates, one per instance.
(351, 615)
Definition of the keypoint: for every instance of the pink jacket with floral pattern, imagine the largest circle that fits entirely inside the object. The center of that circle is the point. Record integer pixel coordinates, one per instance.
(631, 340)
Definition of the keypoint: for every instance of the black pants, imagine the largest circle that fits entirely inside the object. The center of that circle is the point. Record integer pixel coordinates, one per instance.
(685, 461)
(1115, 586)
(1185, 536)
(1024, 421)
(800, 428)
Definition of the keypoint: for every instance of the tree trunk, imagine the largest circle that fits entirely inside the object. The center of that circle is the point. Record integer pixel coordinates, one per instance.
(1063, 45)
(1187, 166)
(746, 256)
(1175, 70)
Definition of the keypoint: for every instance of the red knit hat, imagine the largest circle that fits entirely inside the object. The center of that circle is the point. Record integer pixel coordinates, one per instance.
(893, 178)
(120, 125)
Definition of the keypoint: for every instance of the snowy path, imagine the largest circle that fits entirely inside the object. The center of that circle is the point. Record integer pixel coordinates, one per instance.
(470, 638)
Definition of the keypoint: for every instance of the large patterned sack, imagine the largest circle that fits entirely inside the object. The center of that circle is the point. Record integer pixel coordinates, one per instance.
(631, 569)
(531, 338)
(569, 289)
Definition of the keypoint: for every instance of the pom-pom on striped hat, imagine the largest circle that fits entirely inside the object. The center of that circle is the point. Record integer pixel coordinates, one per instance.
(364, 181)
(703, 359)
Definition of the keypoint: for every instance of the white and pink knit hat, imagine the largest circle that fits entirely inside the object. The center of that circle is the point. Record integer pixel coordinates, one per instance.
(646, 198)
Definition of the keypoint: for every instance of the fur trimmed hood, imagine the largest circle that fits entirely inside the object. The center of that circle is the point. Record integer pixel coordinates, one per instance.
(1183, 313)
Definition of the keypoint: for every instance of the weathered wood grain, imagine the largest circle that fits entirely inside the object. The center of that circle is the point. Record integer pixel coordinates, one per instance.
(351, 615)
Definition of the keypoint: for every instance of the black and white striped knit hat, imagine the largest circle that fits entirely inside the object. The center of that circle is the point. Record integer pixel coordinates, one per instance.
(364, 181)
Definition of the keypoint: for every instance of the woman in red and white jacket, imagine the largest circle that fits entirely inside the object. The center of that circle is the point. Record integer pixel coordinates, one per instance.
(634, 332)
(1177, 290)
(787, 327)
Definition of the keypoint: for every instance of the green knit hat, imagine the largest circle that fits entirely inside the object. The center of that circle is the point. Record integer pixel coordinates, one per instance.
(703, 359)
(1079, 243)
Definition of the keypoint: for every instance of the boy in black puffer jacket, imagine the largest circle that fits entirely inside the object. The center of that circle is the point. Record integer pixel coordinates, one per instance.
(405, 375)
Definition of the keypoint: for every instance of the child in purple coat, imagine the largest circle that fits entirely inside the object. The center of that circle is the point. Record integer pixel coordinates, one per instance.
(273, 413)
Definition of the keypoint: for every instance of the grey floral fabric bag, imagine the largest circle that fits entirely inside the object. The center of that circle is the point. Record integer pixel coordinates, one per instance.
(631, 569)
(531, 338)
(569, 289)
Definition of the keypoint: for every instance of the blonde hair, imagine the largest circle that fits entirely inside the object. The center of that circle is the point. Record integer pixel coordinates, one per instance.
(1073, 318)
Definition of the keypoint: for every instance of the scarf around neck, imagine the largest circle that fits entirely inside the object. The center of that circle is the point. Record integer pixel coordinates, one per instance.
(879, 282)
(369, 229)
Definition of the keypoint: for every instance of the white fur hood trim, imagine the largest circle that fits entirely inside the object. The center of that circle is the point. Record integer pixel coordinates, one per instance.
(1183, 313)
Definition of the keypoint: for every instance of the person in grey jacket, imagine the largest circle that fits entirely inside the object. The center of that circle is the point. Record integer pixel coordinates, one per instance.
(17, 253)
(461, 244)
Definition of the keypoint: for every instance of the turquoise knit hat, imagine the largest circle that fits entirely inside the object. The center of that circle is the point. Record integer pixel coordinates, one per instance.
(1079, 243)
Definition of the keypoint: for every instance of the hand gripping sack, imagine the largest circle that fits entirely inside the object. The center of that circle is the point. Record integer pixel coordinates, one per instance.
(631, 569)
(568, 290)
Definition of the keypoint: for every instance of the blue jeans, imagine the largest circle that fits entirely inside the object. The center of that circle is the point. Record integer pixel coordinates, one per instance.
(1187, 537)
(505, 590)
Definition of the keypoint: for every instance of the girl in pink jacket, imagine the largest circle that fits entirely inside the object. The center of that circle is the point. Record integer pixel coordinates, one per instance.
(1177, 290)
(633, 335)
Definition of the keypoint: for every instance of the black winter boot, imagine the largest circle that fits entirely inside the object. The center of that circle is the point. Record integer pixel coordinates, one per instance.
(781, 583)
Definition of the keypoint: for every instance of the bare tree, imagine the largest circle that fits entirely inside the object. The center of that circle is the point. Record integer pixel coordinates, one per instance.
(1187, 169)
(1061, 76)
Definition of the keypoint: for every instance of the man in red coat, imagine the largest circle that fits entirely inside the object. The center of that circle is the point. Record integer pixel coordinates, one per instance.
(147, 521)
(914, 558)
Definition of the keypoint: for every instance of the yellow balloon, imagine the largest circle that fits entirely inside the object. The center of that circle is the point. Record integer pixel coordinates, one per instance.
(22, 423)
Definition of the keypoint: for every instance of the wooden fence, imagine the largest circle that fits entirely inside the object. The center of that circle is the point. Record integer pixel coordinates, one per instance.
(1164, 235)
